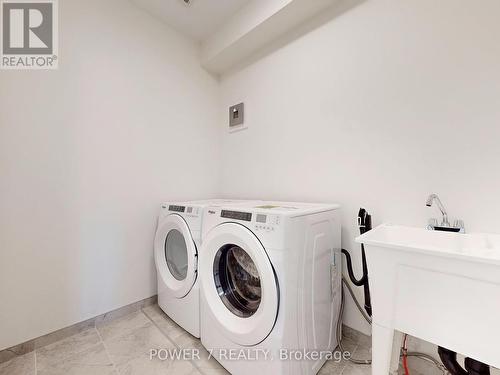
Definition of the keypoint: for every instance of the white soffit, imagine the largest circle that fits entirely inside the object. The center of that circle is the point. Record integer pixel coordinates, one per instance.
(198, 20)
(254, 26)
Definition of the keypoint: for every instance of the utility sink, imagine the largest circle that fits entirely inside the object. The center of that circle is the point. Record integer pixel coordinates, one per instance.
(442, 287)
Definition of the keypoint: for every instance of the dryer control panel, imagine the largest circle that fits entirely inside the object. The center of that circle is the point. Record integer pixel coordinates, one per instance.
(176, 208)
(188, 210)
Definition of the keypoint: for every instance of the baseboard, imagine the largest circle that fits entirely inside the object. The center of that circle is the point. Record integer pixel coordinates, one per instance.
(39, 342)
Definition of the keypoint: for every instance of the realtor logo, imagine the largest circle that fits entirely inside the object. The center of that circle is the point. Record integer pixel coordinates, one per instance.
(29, 34)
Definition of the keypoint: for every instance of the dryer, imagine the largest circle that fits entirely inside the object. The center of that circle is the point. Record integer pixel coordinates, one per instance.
(270, 278)
(176, 245)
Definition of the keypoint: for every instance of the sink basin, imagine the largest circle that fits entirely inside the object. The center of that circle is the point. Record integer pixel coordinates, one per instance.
(477, 247)
(439, 286)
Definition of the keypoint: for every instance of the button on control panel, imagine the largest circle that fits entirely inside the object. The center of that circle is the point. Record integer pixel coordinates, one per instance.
(268, 228)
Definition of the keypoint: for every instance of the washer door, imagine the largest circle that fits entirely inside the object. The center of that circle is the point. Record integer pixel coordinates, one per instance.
(239, 284)
(175, 255)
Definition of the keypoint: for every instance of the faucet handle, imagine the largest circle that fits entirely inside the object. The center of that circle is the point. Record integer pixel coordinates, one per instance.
(433, 222)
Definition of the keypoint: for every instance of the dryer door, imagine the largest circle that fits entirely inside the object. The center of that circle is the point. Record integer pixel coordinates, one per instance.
(175, 255)
(239, 284)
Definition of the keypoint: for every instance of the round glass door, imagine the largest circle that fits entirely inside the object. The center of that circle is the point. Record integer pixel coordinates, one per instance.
(176, 254)
(240, 288)
(237, 280)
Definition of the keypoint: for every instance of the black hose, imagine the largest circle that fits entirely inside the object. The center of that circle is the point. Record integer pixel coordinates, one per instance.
(476, 368)
(350, 271)
(365, 224)
(449, 360)
(366, 285)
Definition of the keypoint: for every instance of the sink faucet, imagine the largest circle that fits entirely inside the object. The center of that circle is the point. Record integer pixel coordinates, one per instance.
(434, 198)
(445, 225)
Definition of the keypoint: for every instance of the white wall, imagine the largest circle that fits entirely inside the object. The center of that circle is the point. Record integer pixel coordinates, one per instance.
(383, 105)
(87, 152)
(377, 108)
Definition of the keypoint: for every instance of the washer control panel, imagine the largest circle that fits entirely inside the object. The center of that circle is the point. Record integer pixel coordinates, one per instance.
(269, 227)
(236, 215)
(259, 222)
(266, 223)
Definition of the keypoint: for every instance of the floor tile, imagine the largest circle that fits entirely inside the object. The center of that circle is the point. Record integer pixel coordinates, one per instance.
(221, 371)
(17, 350)
(60, 350)
(352, 369)
(137, 343)
(119, 327)
(144, 366)
(362, 353)
(122, 346)
(332, 368)
(420, 367)
(172, 330)
(348, 345)
(92, 361)
(336, 365)
(207, 364)
(356, 336)
(182, 339)
(21, 365)
(167, 325)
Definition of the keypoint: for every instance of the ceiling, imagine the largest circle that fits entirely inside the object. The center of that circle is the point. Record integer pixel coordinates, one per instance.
(198, 20)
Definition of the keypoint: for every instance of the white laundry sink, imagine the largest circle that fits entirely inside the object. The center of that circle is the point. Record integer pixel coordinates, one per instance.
(441, 287)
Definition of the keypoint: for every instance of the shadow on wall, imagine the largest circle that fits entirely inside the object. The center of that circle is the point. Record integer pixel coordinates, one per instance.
(337, 9)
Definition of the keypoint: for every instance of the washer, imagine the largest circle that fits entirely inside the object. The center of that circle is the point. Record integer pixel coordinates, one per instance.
(270, 278)
(177, 240)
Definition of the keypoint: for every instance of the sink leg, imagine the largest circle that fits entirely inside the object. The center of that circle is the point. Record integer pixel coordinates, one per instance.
(386, 344)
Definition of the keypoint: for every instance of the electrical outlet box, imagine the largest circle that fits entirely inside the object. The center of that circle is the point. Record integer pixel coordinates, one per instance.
(236, 115)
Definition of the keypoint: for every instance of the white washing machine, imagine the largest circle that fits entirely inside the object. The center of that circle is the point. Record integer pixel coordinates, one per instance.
(177, 241)
(270, 286)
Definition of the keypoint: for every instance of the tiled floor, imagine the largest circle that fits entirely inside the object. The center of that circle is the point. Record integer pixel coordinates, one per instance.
(122, 346)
